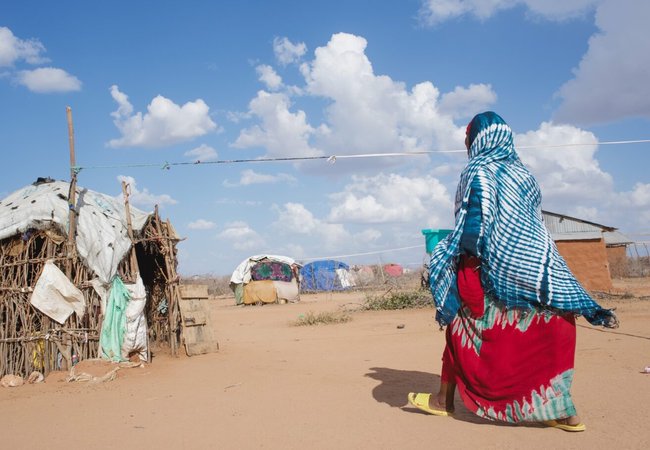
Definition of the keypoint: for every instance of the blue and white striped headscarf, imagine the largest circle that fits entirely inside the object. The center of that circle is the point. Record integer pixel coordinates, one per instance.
(520, 264)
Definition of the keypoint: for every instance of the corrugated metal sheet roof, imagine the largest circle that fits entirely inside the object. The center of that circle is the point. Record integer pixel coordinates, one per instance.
(616, 238)
(566, 228)
(559, 223)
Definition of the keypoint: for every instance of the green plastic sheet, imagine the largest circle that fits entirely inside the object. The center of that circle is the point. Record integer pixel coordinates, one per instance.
(114, 325)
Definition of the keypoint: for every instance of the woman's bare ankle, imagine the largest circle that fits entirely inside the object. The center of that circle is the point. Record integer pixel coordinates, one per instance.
(438, 402)
(571, 420)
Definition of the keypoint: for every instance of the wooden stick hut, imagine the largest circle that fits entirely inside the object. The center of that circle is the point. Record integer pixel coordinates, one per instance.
(34, 229)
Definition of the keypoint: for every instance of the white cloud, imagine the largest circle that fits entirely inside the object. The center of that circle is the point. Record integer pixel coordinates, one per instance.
(165, 122)
(202, 153)
(611, 81)
(143, 198)
(633, 206)
(13, 49)
(286, 52)
(371, 113)
(41, 80)
(249, 177)
(281, 132)
(638, 201)
(201, 224)
(569, 176)
(466, 102)
(392, 198)
(238, 116)
(295, 250)
(124, 107)
(295, 218)
(640, 196)
(242, 237)
(230, 201)
(586, 212)
(368, 236)
(48, 79)
(434, 12)
(269, 77)
(365, 113)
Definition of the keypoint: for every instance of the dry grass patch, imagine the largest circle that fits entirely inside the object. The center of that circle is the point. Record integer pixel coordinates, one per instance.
(322, 318)
(399, 300)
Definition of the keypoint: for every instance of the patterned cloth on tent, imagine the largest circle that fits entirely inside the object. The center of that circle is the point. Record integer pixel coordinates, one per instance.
(271, 270)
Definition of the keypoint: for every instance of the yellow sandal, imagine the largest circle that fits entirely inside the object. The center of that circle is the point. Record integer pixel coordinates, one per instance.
(421, 402)
(565, 426)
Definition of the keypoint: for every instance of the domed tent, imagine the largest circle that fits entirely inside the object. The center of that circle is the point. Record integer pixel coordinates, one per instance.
(266, 279)
(326, 275)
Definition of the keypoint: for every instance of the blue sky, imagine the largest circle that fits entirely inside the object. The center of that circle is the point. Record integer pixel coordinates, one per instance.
(156, 82)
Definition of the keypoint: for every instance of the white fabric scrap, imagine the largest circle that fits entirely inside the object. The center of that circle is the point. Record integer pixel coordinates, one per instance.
(55, 296)
(135, 335)
(346, 278)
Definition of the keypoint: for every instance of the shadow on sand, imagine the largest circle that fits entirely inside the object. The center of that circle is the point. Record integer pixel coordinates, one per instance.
(395, 385)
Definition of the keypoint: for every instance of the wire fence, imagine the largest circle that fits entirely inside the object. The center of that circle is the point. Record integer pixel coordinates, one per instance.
(637, 263)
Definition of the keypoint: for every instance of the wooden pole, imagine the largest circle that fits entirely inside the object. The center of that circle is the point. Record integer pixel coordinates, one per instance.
(172, 281)
(129, 229)
(381, 270)
(174, 305)
(72, 194)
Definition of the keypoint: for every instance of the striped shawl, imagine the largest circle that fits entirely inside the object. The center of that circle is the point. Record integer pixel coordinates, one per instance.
(520, 264)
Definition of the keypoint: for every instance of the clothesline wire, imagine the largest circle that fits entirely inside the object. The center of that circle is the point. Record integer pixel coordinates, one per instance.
(362, 254)
(376, 252)
(333, 158)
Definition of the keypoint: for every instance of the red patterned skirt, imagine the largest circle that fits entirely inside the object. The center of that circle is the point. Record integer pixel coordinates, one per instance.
(511, 365)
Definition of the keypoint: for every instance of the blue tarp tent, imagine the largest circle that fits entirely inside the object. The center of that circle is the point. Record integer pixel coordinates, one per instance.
(326, 275)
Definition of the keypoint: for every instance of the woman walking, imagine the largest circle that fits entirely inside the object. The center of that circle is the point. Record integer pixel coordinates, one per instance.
(505, 294)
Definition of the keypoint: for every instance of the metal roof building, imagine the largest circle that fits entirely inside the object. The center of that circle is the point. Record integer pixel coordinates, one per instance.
(592, 251)
(566, 228)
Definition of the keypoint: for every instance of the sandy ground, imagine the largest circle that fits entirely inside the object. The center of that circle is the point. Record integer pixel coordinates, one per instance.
(342, 386)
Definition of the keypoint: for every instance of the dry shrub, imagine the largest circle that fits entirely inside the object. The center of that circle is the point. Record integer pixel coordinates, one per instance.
(322, 318)
(398, 300)
(217, 285)
(410, 279)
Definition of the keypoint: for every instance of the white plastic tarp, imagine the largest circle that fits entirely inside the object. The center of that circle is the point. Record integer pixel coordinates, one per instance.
(103, 291)
(55, 296)
(135, 336)
(102, 239)
(345, 277)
